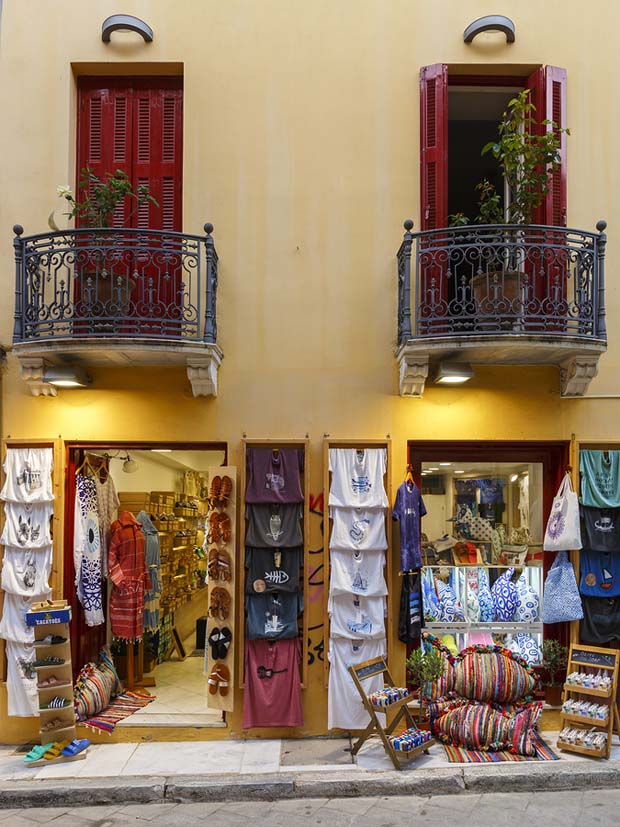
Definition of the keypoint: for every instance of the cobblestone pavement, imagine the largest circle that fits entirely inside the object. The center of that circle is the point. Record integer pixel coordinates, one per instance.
(596, 808)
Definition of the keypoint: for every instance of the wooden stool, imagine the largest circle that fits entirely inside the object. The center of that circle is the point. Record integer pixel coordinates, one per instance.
(369, 669)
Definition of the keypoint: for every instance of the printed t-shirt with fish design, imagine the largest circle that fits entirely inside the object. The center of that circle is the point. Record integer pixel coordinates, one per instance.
(357, 477)
(272, 570)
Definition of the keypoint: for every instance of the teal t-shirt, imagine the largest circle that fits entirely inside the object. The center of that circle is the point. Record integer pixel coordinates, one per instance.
(600, 478)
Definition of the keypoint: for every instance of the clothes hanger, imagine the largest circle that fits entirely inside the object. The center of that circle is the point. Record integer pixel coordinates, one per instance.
(409, 474)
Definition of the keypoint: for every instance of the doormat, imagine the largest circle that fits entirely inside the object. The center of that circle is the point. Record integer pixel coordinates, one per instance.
(461, 755)
(121, 707)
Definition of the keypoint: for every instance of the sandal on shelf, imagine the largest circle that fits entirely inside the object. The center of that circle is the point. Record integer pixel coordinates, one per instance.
(214, 491)
(56, 750)
(37, 752)
(219, 603)
(224, 565)
(213, 565)
(55, 723)
(224, 675)
(214, 642)
(51, 681)
(225, 527)
(76, 746)
(224, 642)
(215, 678)
(225, 491)
(50, 660)
(50, 640)
(56, 703)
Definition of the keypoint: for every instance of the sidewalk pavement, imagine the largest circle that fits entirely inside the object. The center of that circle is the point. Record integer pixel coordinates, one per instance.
(278, 769)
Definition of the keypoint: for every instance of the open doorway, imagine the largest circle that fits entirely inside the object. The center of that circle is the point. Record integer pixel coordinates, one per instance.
(164, 489)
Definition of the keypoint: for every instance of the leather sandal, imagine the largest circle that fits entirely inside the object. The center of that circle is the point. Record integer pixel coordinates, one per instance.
(213, 565)
(225, 491)
(216, 677)
(225, 527)
(224, 566)
(214, 491)
(224, 674)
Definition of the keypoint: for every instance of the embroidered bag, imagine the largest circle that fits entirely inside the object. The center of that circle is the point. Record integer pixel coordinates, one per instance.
(561, 600)
(563, 530)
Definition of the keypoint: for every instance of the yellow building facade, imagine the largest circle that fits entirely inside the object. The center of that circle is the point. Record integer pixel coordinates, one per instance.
(301, 144)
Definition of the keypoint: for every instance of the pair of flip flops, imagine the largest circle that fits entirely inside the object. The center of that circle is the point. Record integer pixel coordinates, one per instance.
(51, 640)
(56, 703)
(219, 679)
(219, 603)
(220, 640)
(50, 660)
(76, 746)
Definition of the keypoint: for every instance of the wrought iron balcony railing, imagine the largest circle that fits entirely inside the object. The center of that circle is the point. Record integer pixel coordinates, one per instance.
(115, 283)
(497, 279)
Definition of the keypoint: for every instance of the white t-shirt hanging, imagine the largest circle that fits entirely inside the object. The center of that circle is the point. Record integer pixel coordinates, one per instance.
(21, 680)
(358, 528)
(357, 477)
(354, 616)
(13, 624)
(26, 571)
(357, 572)
(344, 703)
(28, 475)
(27, 525)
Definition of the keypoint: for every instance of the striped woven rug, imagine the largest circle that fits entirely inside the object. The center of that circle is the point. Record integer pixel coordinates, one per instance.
(461, 755)
(121, 707)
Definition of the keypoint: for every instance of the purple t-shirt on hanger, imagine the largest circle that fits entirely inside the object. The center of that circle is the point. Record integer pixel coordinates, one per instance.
(274, 475)
(408, 508)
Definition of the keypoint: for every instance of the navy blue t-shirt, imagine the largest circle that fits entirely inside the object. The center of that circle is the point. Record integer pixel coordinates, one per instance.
(408, 508)
(600, 573)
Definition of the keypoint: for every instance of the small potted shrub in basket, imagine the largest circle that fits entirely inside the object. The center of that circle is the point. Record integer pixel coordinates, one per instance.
(424, 668)
(554, 661)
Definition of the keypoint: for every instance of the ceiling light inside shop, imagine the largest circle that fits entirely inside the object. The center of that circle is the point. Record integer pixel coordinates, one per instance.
(434, 468)
(453, 373)
(130, 466)
(445, 463)
(514, 477)
(161, 450)
(67, 377)
(458, 471)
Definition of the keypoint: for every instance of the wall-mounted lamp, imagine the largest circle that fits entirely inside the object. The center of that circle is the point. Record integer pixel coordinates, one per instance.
(67, 377)
(125, 23)
(130, 466)
(453, 373)
(490, 23)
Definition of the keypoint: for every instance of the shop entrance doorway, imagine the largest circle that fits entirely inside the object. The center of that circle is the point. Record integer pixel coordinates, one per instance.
(487, 505)
(169, 485)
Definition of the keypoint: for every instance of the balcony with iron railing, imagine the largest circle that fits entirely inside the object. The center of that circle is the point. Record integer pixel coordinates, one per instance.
(501, 294)
(118, 296)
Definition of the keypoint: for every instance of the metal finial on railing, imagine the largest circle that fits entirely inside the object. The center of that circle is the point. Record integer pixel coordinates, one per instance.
(601, 226)
(18, 229)
(408, 225)
(208, 228)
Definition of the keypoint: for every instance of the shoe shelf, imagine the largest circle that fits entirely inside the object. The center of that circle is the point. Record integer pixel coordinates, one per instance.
(591, 660)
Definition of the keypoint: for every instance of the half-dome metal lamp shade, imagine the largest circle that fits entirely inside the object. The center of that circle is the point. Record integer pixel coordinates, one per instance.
(490, 23)
(125, 23)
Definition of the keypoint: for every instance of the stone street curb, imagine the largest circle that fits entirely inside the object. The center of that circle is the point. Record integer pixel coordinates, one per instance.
(505, 778)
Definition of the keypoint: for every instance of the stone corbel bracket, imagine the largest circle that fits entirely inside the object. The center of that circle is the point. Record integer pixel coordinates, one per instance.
(576, 374)
(202, 371)
(32, 371)
(412, 372)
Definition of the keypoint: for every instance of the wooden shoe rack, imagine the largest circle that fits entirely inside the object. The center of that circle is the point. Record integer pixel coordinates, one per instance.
(590, 659)
(54, 620)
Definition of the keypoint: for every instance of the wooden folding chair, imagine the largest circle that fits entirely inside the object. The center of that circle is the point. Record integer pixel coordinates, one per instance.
(369, 669)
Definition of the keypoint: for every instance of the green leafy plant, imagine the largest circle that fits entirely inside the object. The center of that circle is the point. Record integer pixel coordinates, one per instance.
(458, 219)
(424, 666)
(554, 661)
(97, 198)
(527, 160)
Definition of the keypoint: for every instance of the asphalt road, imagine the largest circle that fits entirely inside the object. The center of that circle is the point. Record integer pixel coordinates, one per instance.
(596, 808)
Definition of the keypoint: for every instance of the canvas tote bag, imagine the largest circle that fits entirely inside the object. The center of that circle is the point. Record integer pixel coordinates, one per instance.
(563, 531)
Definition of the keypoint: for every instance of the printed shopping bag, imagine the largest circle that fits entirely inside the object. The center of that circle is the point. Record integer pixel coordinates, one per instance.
(563, 530)
(561, 600)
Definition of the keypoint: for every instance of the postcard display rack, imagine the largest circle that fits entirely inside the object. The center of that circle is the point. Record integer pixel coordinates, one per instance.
(53, 620)
(597, 672)
(247, 591)
(220, 542)
(358, 604)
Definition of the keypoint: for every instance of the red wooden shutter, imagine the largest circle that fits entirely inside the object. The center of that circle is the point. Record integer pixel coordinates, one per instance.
(158, 140)
(434, 146)
(548, 85)
(105, 133)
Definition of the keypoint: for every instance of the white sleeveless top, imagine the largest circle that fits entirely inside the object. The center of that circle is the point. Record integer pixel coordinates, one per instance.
(26, 571)
(28, 475)
(27, 525)
(357, 572)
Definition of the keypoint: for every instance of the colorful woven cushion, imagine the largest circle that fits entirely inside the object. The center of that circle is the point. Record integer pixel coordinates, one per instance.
(484, 726)
(96, 685)
(492, 674)
(505, 598)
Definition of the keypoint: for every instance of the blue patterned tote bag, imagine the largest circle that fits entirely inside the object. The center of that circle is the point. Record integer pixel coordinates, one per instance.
(561, 600)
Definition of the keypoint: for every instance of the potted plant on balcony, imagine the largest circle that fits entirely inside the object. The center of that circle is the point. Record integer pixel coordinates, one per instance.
(527, 159)
(554, 661)
(94, 206)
